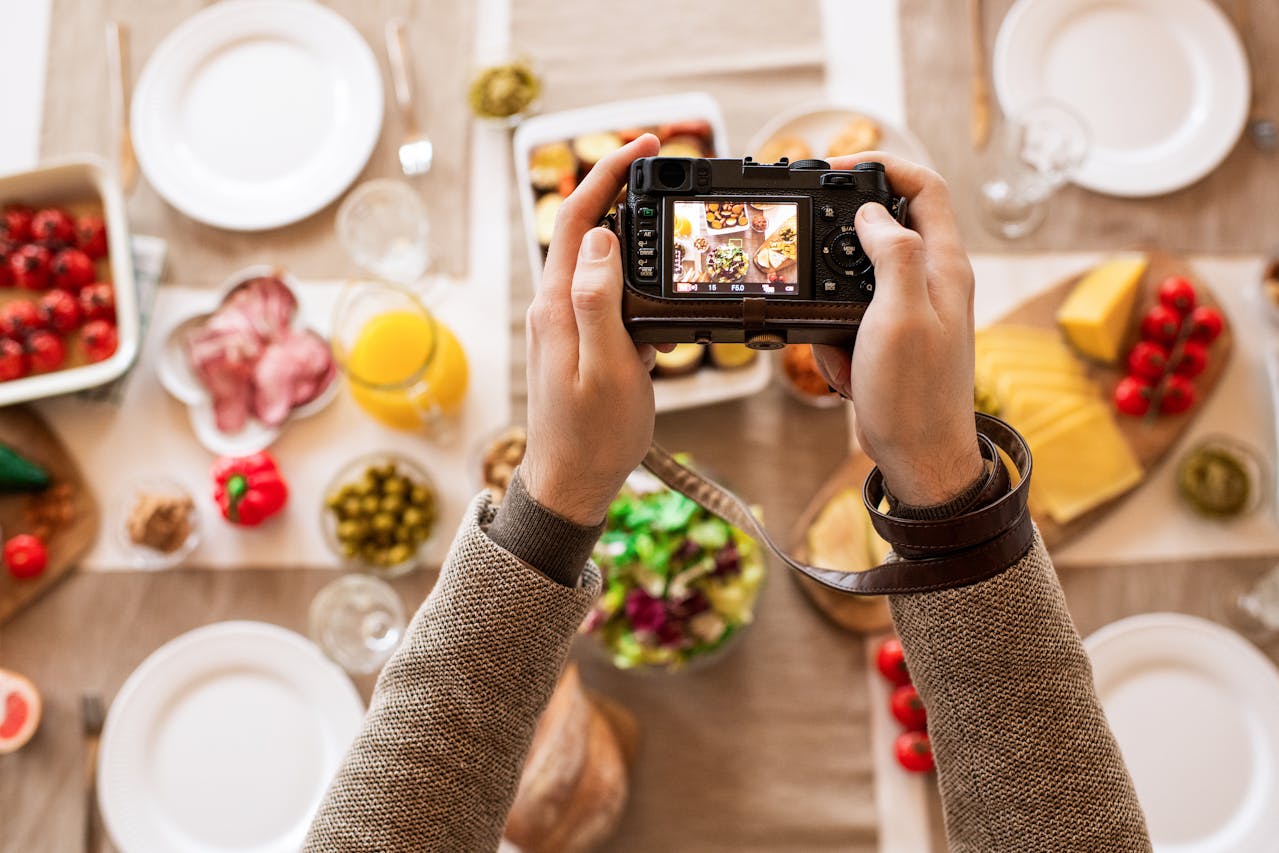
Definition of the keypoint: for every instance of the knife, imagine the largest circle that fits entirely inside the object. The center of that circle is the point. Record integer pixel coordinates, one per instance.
(980, 87)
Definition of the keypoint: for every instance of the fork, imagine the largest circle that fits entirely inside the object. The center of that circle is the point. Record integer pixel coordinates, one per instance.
(417, 151)
(91, 714)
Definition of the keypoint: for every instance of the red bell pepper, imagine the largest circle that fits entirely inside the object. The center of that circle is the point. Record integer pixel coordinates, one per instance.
(248, 489)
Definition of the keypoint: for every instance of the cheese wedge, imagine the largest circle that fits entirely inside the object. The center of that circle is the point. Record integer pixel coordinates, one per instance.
(1095, 315)
(1081, 461)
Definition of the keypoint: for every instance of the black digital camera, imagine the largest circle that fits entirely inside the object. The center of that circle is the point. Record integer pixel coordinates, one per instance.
(734, 251)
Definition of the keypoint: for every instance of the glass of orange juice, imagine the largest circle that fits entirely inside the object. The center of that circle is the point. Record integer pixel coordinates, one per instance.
(403, 366)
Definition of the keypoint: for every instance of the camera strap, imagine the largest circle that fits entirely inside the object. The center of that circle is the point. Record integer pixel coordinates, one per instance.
(933, 554)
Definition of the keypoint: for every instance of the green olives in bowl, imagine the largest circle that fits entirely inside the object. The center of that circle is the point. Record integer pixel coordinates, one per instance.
(380, 512)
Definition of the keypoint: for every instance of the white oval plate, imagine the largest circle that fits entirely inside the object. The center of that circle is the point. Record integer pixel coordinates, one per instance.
(817, 124)
(1162, 84)
(256, 113)
(1195, 709)
(225, 738)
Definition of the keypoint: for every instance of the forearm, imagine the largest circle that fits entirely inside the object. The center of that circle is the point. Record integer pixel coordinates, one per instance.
(1025, 758)
(437, 762)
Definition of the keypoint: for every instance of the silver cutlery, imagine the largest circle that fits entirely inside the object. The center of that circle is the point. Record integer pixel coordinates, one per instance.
(91, 714)
(416, 152)
(118, 74)
(1262, 130)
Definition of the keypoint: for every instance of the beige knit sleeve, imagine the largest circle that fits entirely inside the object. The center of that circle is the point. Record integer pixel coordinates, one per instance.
(1025, 758)
(436, 764)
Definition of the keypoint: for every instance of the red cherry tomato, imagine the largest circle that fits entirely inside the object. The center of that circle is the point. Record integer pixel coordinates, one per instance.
(1133, 395)
(13, 360)
(97, 302)
(29, 267)
(19, 317)
(91, 236)
(71, 270)
(1178, 294)
(54, 227)
(1192, 360)
(1206, 324)
(908, 708)
(46, 350)
(914, 751)
(61, 311)
(25, 555)
(1148, 360)
(100, 339)
(1177, 396)
(7, 248)
(1161, 324)
(15, 223)
(891, 661)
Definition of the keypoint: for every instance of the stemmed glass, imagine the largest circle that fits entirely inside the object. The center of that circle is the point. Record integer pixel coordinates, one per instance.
(1042, 147)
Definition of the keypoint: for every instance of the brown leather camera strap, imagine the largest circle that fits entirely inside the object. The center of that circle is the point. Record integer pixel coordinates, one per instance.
(936, 553)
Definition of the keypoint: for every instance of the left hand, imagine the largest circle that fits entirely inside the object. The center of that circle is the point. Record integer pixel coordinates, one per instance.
(590, 398)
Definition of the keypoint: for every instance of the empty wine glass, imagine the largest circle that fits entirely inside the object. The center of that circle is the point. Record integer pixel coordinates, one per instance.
(1042, 147)
(358, 621)
(384, 227)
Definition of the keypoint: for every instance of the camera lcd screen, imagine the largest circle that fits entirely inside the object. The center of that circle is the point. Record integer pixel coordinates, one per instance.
(734, 247)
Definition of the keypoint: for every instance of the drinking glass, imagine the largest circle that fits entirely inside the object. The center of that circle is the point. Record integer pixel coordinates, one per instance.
(385, 228)
(358, 621)
(403, 366)
(1042, 147)
(1256, 610)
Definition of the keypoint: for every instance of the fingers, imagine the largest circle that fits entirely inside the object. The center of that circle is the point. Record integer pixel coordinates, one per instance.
(647, 355)
(835, 364)
(930, 211)
(597, 304)
(901, 277)
(583, 210)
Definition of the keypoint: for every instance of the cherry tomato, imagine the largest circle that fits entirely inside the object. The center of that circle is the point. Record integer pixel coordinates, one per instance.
(97, 302)
(1161, 324)
(91, 236)
(1133, 395)
(1148, 360)
(1206, 324)
(46, 350)
(1178, 294)
(13, 360)
(29, 267)
(15, 223)
(53, 226)
(7, 248)
(914, 751)
(1192, 360)
(19, 317)
(71, 270)
(891, 661)
(25, 555)
(100, 339)
(61, 311)
(908, 708)
(1178, 395)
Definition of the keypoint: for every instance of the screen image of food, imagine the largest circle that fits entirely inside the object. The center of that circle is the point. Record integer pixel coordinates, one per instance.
(727, 247)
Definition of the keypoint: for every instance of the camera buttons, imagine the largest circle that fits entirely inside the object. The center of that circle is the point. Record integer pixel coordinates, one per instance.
(648, 213)
(872, 166)
(830, 286)
(828, 212)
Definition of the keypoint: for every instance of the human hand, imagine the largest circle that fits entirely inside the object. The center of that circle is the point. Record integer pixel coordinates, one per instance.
(911, 372)
(590, 398)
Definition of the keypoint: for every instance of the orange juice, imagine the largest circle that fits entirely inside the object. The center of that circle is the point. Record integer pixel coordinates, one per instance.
(406, 368)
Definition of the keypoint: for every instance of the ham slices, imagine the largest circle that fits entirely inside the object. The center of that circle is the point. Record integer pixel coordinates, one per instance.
(254, 361)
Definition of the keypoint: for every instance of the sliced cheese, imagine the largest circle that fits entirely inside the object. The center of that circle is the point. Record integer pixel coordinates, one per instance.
(1023, 410)
(1081, 461)
(991, 364)
(1009, 384)
(1095, 315)
(1063, 407)
(837, 538)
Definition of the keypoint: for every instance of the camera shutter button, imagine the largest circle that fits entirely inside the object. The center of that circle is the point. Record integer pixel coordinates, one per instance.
(810, 164)
(765, 340)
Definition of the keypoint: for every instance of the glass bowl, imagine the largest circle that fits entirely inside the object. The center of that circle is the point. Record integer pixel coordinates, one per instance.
(479, 462)
(352, 473)
(143, 556)
(827, 400)
(1254, 466)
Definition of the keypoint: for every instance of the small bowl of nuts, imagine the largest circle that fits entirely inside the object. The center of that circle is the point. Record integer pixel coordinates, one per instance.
(379, 513)
(157, 525)
(498, 456)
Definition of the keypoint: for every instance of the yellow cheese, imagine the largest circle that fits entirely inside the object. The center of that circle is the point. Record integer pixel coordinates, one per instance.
(991, 364)
(1010, 383)
(1012, 333)
(837, 539)
(1043, 417)
(1081, 461)
(1095, 315)
(1022, 410)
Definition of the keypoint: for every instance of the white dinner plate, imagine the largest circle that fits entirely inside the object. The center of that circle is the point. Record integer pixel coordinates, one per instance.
(817, 124)
(256, 113)
(1195, 709)
(1161, 84)
(225, 738)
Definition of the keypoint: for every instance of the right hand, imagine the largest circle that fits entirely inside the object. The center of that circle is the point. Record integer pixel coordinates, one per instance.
(911, 374)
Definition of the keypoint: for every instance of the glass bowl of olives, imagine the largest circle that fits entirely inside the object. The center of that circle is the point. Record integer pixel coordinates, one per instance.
(380, 511)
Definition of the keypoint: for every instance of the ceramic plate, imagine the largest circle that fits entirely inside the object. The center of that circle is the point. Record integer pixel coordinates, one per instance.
(818, 124)
(1195, 709)
(225, 738)
(256, 113)
(1162, 84)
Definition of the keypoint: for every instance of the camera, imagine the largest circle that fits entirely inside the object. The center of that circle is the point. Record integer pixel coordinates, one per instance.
(734, 251)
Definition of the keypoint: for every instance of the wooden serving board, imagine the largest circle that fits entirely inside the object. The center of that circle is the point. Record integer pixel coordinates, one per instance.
(1150, 438)
(27, 433)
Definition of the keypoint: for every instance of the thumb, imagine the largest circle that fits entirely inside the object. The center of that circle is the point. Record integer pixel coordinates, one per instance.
(597, 303)
(897, 253)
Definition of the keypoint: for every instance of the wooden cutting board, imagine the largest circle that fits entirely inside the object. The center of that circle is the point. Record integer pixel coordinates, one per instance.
(1151, 439)
(27, 433)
